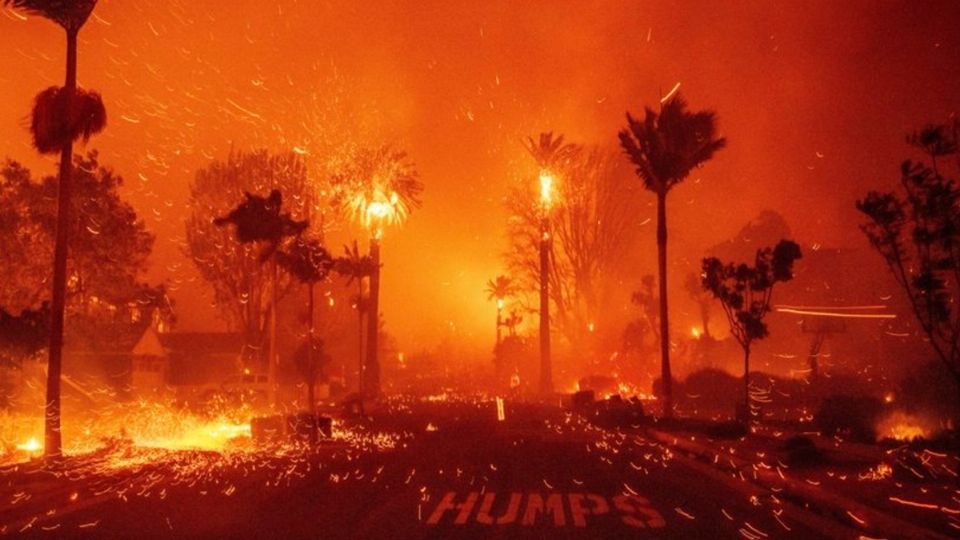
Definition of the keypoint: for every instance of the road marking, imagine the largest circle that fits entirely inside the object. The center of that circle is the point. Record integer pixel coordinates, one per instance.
(535, 508)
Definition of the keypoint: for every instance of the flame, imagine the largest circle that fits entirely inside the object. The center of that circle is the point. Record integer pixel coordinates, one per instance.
(901, 426)
(695, 332)
(546, 189)
(376, 209)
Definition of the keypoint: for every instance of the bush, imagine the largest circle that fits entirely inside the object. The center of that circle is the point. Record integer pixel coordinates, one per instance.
(726, 430)
(709, 390)
(853, 417)
(802, 450)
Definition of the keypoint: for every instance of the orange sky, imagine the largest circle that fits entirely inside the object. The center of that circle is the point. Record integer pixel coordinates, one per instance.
(458, 82)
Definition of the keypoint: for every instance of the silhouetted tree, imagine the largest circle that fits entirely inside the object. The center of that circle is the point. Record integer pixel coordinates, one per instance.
(309, 262)
(60, 117)
(664, 147)
(240, 282)
(635, 334)
(356, 267)
(918, 235)
(744, 292)
(261, 220)
(109, 247)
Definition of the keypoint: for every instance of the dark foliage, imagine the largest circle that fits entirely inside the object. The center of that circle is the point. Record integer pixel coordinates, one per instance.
(24, 335)
(261, 219)
(59, 118)
(664, 147)
(852, 417)
(354, 265)
(801, 450)
(745, 291)
(307, 260)
(70, 14)
(917, 232)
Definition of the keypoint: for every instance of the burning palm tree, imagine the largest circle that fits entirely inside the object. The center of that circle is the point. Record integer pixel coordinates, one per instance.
(500, 289)
(550, 153)
(379, 188)
(665, 147)
(61, 115)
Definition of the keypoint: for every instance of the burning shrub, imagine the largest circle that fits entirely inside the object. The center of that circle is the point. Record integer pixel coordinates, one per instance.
(901, 426)
(854, 417)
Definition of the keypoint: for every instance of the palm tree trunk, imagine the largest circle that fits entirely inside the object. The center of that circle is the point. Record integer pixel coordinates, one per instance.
(311, 371)
(546, 375)
(664, 319)
(371, 381)
(272, 352)
(499, 324)
(53, 442)
(746, 385)
(360, 309)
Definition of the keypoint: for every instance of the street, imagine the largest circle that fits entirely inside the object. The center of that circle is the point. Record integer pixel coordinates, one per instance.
(453, 471)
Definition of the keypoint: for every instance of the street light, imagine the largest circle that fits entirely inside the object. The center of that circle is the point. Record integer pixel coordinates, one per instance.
(546, 202)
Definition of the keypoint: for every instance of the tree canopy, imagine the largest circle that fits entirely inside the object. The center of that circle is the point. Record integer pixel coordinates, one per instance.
(232, 269)
(108, 255)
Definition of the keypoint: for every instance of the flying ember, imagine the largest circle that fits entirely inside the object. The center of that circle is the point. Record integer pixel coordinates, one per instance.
(364, 270)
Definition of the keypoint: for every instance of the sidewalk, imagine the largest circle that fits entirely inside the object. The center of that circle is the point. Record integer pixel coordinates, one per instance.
(872, 510)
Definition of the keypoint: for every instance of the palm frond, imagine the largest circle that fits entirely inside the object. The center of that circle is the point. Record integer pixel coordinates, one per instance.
(70, 14)
(549, 151)
(58, 118)
(666, 146)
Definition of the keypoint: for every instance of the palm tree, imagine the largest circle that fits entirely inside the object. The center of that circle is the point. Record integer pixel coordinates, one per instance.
(356, 266)
(665, 147)
(550, 153)
(261, 219)
(377, 188)
(60, 117)
(309, 262)
(500, 289)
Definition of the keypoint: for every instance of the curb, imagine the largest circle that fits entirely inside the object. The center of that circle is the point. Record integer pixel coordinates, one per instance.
(809, 496)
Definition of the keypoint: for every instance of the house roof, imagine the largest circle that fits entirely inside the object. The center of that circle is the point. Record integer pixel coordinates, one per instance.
(153, 343)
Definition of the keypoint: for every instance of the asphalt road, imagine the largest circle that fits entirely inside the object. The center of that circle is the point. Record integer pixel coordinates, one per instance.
(454, 472)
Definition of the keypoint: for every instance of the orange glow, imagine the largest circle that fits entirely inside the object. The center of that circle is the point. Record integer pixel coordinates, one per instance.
(376, 210)
(695, 332)
(32, 446)
(546, 189)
